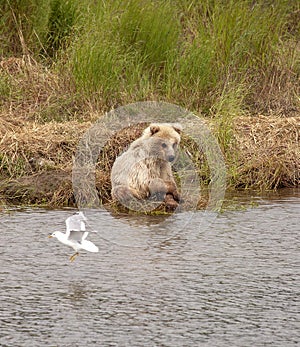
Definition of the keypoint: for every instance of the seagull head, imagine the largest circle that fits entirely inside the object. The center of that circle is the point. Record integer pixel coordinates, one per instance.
(53, 234)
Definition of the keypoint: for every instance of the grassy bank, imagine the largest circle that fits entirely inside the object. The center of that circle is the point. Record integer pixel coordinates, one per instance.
(65, 63)
(210, 56)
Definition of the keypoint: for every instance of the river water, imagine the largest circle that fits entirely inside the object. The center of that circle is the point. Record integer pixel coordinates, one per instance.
(227, 279)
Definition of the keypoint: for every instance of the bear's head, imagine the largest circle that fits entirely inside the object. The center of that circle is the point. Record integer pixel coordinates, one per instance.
(164, 139)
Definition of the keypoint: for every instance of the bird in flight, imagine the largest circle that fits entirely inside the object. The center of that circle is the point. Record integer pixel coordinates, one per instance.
(75, 235)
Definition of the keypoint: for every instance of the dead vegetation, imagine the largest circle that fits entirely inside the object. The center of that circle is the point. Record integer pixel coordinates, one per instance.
(268, 152)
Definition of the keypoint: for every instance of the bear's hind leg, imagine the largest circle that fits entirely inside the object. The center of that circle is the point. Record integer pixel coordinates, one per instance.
(124, 194)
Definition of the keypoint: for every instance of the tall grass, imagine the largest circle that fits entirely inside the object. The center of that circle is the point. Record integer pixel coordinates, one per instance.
(200, 54)
(35, 27)
(125, 50)
(214, 56)
(23, 26)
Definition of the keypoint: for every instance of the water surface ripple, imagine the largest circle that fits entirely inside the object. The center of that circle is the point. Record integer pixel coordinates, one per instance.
(232, 283)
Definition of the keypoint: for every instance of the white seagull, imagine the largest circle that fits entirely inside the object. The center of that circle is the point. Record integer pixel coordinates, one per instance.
(75, 235)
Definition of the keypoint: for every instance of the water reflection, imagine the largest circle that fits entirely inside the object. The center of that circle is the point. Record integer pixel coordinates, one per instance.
(76, 294)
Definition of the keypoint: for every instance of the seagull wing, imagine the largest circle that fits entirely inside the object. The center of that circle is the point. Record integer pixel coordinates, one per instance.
(76, 235)
(75, 223)
(85, 233)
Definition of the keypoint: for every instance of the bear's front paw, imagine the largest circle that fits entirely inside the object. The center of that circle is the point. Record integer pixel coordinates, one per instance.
(171, 204)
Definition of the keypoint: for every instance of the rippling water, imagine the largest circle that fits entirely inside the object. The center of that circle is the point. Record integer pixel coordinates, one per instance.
(231, 281)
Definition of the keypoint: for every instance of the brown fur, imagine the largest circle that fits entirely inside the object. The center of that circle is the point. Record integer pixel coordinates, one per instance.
(144, 170)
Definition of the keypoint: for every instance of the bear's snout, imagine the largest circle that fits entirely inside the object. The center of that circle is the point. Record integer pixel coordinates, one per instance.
(171, 158)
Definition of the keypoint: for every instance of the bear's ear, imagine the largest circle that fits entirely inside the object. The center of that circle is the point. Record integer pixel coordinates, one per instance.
(177, 127)
(154, 128)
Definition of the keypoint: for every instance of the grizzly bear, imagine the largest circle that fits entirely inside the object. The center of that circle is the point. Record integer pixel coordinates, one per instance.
(144, 170)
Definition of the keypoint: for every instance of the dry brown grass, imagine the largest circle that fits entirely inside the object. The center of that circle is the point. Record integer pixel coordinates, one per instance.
(30, 146)
(268, 152)
(36, 161)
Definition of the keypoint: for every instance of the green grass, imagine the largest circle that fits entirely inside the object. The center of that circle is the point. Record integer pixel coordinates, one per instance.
(23, 25)
(216, 57)
(125, 50)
